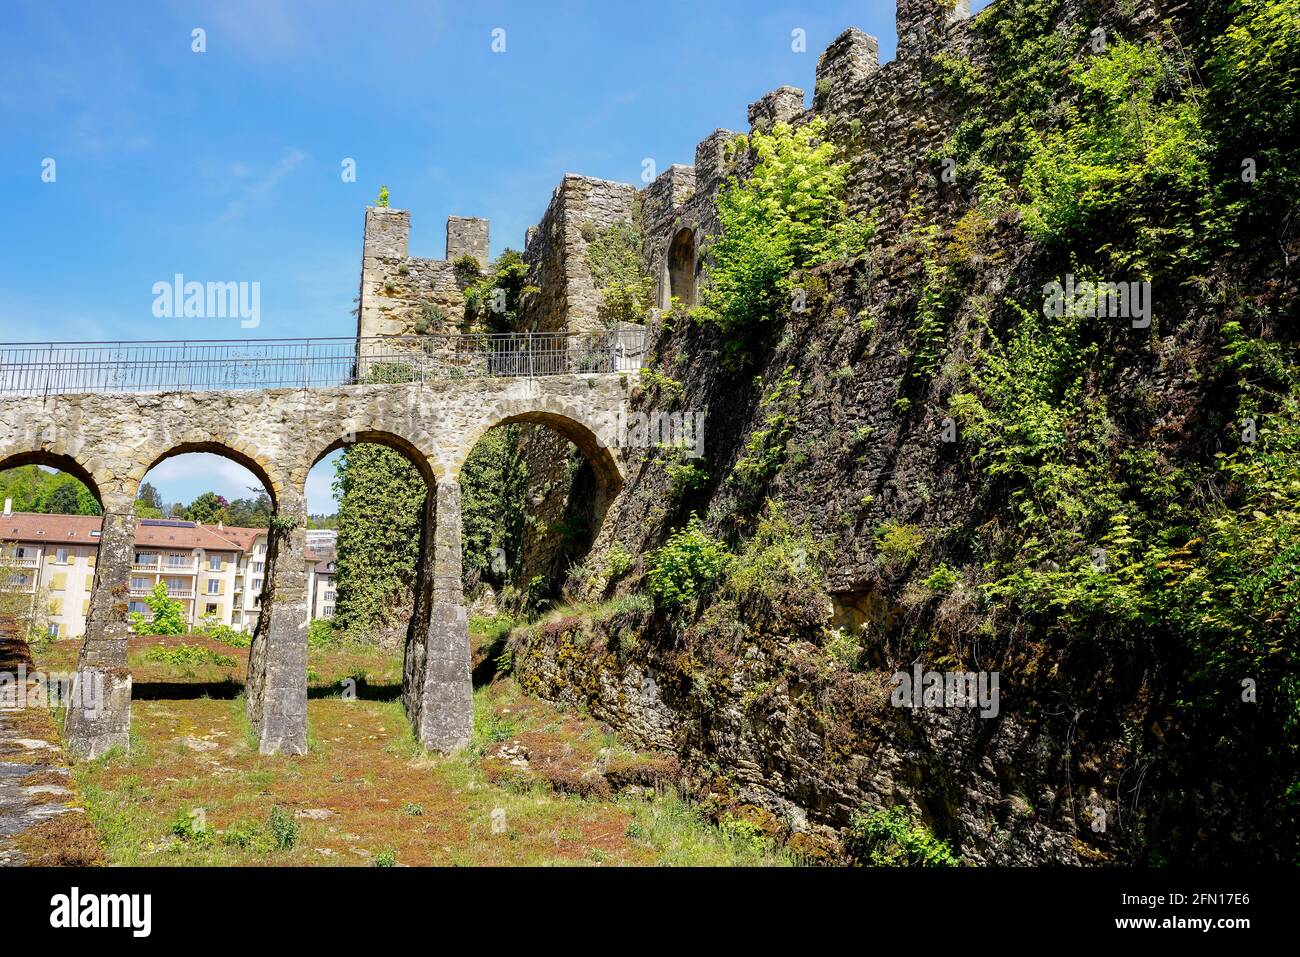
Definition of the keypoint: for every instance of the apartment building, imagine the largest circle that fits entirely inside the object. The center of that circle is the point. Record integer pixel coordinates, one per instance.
(216, 572)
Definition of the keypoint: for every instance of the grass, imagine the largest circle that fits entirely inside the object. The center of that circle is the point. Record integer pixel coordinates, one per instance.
(194, 790)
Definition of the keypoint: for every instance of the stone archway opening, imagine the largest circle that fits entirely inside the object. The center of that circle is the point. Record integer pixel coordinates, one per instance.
(535, 487)
(49, 543)
(202, 540)
(397, 576)
(680, 269)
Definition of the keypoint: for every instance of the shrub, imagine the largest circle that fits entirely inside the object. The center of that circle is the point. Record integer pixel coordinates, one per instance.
(942, 579)
(321, 633)
(188, 656)
(620, 560)
(220, 631)
(897, 544)
(467, 269)
(688, 563)
(686, 475)
(790, 214)
(777, 559)
(843, 648)
(895, 838)
(191, 829)
(283, 828)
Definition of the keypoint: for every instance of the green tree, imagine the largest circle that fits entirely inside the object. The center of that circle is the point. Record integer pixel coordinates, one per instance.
(148, 503)
(208, 508)
(168, 614)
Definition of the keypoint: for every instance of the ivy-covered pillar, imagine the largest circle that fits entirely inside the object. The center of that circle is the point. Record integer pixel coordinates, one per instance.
(277, 660)
(437, 686)
(99, 715)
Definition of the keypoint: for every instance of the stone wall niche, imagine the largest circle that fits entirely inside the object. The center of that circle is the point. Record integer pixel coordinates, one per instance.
(680, 270)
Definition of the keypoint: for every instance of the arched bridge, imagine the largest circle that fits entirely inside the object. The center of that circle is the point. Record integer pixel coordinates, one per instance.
(108, 413)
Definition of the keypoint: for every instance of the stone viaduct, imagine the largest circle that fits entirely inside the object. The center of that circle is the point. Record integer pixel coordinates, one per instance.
(111, 440)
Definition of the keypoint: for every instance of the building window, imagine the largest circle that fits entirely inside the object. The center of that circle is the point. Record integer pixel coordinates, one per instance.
(140, 584)
(214, 586)
(214, 562)
(329, 596)
(257, 567)
(175, 561)
(209, 609)
(257, 584)
(20, 553)
(61, 556)
(54, 629)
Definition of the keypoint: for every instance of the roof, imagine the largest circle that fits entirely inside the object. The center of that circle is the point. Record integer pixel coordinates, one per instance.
(84, 530)
(322, 553)
(242, 538)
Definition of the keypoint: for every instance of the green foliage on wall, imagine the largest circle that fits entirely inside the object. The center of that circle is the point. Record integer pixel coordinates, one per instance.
(1124, 177)
(688, 564)
(615, 259)
(497, 300)
(765, 449)
(895, 838)
(789, 215)
(493, 506)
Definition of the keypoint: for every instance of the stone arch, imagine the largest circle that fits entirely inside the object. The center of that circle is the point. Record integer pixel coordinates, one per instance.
(238, 452)
(55, 460)
(597, 451)
(415, 451)
(680, 268)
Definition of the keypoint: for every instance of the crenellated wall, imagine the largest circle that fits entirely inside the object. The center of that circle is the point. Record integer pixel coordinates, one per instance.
(404, 296)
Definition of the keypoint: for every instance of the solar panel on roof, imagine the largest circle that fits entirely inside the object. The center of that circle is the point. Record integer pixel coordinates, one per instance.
(169, 522)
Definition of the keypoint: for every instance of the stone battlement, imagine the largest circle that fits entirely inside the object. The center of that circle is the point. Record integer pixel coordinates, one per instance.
(862, 100)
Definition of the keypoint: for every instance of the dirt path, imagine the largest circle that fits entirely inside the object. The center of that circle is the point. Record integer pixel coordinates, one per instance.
(42, 821)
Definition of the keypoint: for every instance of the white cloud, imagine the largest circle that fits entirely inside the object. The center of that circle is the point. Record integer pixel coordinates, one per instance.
(255, 192)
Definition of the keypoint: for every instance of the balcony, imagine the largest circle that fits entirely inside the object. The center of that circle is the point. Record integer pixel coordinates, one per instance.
(171, 592)
(166, 568)
(24, 562)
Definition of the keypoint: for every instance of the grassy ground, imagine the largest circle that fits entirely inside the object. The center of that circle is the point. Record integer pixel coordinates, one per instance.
(537, 786)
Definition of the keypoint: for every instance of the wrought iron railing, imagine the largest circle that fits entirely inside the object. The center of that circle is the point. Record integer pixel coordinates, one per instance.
(28, 368)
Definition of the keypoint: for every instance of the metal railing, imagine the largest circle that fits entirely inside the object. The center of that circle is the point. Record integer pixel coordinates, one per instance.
(221, 364)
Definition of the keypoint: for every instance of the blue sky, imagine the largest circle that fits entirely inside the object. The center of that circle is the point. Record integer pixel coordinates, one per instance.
(225, 165)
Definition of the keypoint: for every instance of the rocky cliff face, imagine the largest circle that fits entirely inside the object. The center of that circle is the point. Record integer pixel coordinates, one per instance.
(1090, 758)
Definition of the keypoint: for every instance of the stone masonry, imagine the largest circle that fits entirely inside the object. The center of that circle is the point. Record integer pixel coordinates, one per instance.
(111, 441)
